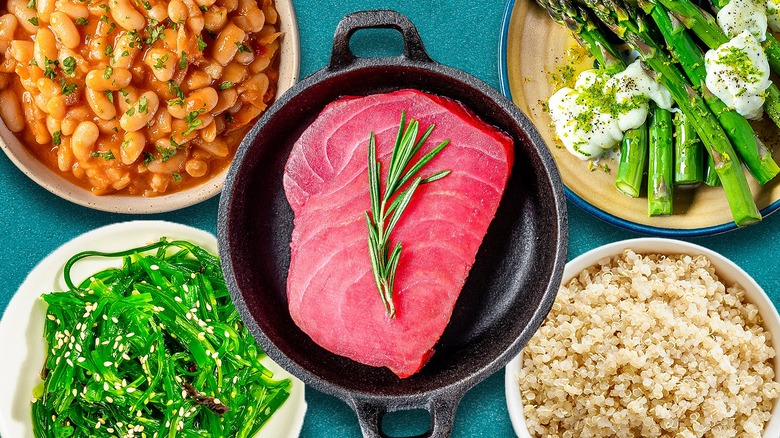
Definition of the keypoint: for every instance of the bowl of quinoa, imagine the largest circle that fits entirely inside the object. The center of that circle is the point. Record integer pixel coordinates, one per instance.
(650, 337)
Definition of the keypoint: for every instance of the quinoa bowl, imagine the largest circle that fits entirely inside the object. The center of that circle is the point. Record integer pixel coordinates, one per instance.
(663, 337)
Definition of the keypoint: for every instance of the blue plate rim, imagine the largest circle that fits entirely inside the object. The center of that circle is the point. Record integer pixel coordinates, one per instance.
(503, 82)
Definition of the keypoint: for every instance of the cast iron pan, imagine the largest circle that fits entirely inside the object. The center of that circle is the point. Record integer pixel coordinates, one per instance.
(510, 288)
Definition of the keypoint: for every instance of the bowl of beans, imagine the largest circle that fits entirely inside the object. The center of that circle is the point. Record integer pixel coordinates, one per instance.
(650, 337)
(138, 106)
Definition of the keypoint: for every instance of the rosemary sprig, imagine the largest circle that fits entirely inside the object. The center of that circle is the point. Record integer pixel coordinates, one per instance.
(384, 218)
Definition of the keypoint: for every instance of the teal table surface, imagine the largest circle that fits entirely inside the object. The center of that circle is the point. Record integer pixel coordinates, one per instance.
(463, 34)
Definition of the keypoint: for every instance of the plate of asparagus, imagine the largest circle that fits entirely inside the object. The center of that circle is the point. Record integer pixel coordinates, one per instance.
(699, 157)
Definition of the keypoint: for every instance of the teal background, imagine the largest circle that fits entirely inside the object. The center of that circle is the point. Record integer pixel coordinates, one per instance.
(460, 33)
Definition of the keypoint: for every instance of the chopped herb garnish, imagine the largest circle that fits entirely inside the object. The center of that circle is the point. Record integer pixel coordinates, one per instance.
(69, 66)
(67, 89)
(201, 43)
(107, 155)
(173, 143)
(56, 138)
(146, 5)
(174, 89)
(166, 153)
(183, 61)
(242, 48)
(225, 85)
(48, 70)
(387, 208)
(160, 64)
(109, 50)
(193, 121)
(109, 95)
(204, 8)
(34, 21)
(176, 177)
(130, 111)
(108, 72)
(229, 118)
(134, 39)
(34, 62)
(104, 7)
(155, 33)
(124, 92)
(148, 158)
(81, 21)
(111, 27)
(31, 5)
(104, 18)
(143, 105)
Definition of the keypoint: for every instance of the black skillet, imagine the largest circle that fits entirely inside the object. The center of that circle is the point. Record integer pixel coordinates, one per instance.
(510, 288)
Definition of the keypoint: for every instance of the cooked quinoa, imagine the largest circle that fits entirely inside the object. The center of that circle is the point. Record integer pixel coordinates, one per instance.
(649, 346)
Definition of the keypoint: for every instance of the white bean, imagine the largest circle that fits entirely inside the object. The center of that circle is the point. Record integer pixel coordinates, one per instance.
(108, 79)
(65, 30)
(11, 111)
(83, 140)
(100, 103)
(45, 47)
(126, 16)
(141, 112)
(132, 147)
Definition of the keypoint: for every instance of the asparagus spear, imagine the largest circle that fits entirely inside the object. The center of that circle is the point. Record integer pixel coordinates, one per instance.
(661, 163)
(706, 28)
(586, 32)
(634, 31)
(754, 154)
(710, 175)
(633, 155)
(688, 157)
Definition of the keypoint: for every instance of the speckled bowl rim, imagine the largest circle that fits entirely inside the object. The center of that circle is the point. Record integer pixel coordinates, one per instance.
(727, 271)
(289, 71)
(503, 82)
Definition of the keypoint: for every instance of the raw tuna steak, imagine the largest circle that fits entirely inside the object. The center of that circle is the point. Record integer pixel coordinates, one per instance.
(330, 287)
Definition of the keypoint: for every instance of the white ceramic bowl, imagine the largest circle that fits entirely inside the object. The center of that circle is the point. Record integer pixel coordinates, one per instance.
(21, 327)
(289, 69)
(728, 273)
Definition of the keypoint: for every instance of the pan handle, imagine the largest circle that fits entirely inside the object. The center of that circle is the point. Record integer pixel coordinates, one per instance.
(441, 408)
(342, 55)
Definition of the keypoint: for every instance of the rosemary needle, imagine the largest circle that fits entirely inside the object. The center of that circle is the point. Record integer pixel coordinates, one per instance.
(383, 218)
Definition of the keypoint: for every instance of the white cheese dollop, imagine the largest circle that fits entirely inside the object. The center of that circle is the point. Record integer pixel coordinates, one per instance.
(738, 73)
(773, 14)
(593, 116)
(744, 15)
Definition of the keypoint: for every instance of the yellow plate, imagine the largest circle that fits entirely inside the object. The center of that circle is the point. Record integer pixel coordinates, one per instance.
(533, 50)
